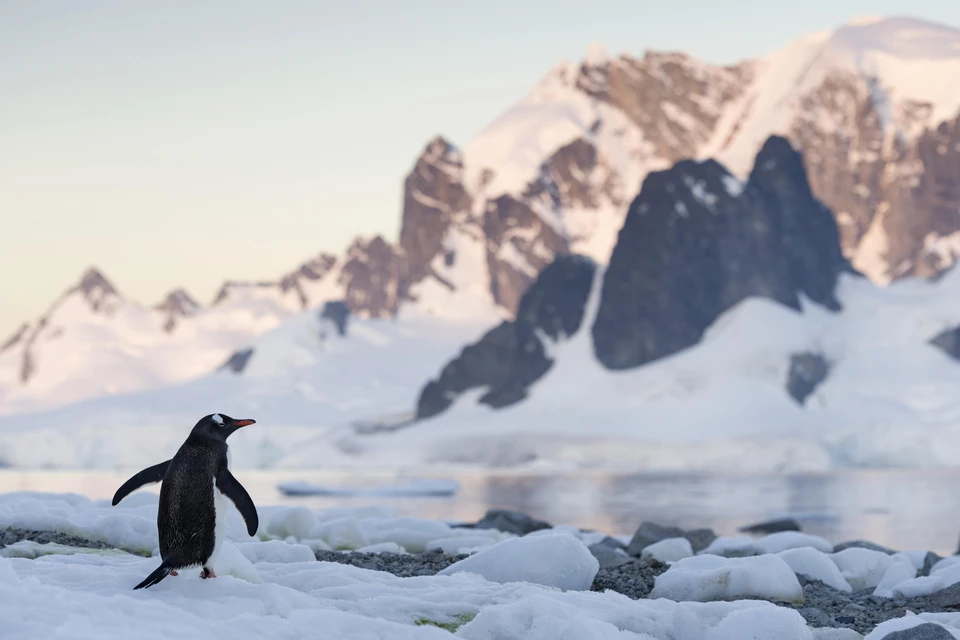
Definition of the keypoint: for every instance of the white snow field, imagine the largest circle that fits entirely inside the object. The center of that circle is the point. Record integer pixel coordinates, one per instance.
(890, 399)
(270, 585)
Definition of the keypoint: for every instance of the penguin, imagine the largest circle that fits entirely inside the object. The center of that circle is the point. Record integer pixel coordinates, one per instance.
(196, 484)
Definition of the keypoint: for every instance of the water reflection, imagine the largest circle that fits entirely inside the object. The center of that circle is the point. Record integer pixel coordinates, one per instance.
(911, 509)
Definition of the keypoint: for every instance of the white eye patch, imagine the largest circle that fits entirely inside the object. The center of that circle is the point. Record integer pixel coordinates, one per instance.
(216, 418)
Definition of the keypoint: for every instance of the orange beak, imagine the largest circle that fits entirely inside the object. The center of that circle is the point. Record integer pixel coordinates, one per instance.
(244, 423)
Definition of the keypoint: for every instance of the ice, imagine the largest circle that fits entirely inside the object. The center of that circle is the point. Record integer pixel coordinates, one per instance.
(460, 544)
(275, 551)
(668, 550)
(557, 560)
(862, 568)
(298, 522)
(708, 577)
(900, 571)
(783, 540)
(382, 547)
(817, 565)
(922, 586)
(782, 624)
(411, 488)
(343, 533)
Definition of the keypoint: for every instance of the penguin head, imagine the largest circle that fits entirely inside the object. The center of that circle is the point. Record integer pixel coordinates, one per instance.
(220, 425)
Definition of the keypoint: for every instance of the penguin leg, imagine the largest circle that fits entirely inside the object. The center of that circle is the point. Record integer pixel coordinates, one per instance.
(174, 573)
(207, 573)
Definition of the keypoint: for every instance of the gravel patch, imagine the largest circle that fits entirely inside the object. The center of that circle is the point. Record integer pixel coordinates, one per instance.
(13, 535)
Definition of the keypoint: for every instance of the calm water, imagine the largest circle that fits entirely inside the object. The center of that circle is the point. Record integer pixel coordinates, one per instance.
(901, 509)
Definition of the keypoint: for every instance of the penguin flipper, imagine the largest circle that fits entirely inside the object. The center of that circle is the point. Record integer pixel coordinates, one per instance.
(158, 574)
(150, 475)
(231, 487)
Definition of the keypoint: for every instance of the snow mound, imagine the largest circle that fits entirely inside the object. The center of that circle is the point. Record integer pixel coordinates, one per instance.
(815, 565)
(707, 577)
(863, 568)
(556, 560)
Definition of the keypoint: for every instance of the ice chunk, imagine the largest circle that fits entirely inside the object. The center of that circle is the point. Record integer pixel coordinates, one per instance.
(668, 550)
(780, 623)
(233, 563)
(783, 540)
(275, 551)
(382, 547)
(707, 577)
(410, 533)
(731, 546)
(460, 544)
(863, 568)
(344, 533)
(815, 565)
(294, 521)
(899, 572)
(557, 560)
(917, 587)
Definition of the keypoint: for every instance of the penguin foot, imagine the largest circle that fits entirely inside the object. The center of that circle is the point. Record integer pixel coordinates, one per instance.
(174, 573)
(207, 573)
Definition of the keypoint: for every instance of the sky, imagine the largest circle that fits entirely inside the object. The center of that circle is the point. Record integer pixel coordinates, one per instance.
(185, 143)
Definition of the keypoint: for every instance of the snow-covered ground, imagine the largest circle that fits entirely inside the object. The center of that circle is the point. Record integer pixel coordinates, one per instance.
(890, 399)
(534, 587)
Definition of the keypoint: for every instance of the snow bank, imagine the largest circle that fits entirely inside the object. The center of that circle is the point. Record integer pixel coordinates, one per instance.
(669, 550)
(556, 560)
(707, 577)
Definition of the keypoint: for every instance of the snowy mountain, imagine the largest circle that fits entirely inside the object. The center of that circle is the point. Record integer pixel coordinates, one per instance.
(866, 103)
(726, 331)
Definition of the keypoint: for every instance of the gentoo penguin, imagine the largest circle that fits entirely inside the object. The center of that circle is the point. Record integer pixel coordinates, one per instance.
(192, 516)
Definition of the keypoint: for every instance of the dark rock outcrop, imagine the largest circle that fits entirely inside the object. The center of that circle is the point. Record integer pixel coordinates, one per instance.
(807, 371)
(512, 356)
(772, 526)
(696, 242)
(649, 533)
(338, 313)
(177, 305)
(511, 522)
(238, 360)
(949, 342)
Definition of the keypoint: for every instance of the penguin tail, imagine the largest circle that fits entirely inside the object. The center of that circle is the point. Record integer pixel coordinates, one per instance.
(158, 574)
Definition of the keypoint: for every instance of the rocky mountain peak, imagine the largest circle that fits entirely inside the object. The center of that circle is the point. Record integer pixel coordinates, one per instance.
(696, 242)
(177, 305)
(95, 288)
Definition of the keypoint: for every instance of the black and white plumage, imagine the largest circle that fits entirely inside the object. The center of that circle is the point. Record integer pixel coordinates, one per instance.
(192, 515)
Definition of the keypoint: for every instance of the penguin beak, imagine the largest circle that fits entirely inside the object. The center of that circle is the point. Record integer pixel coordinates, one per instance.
(244, 423)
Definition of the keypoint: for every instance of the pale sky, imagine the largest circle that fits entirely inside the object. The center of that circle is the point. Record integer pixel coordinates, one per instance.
(182, 143)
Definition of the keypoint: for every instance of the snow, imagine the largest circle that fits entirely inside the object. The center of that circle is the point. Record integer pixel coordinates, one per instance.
(557, 560)
(668, 550)
(273, 586)
(900, 571)
(708, 577)
(816, 565)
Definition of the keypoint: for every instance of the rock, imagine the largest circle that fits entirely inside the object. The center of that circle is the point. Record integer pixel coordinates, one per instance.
(612, 543)
(928, 561)
(861, 544)
(696, 242)
(947, 598)
(238, 360)
(511, 522)
(925, 631)
(948, 341)
(513, 355)
(338, 313)
(648, 533)
(772, 526)
(807, 371)
(700, 539)
(609, 557)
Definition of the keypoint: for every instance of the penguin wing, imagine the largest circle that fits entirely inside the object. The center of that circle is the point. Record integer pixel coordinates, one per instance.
(150, 475)
(231, 487)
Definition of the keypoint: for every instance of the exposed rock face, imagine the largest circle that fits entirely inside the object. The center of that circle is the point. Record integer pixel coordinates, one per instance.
(696, 242)
(177, 305)
(370, 277)
(512, 356)
(807, 371)
(949, 342)
(433, 198)
(897, 195)
(311, 271)
(337, 312)
(238, 361)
